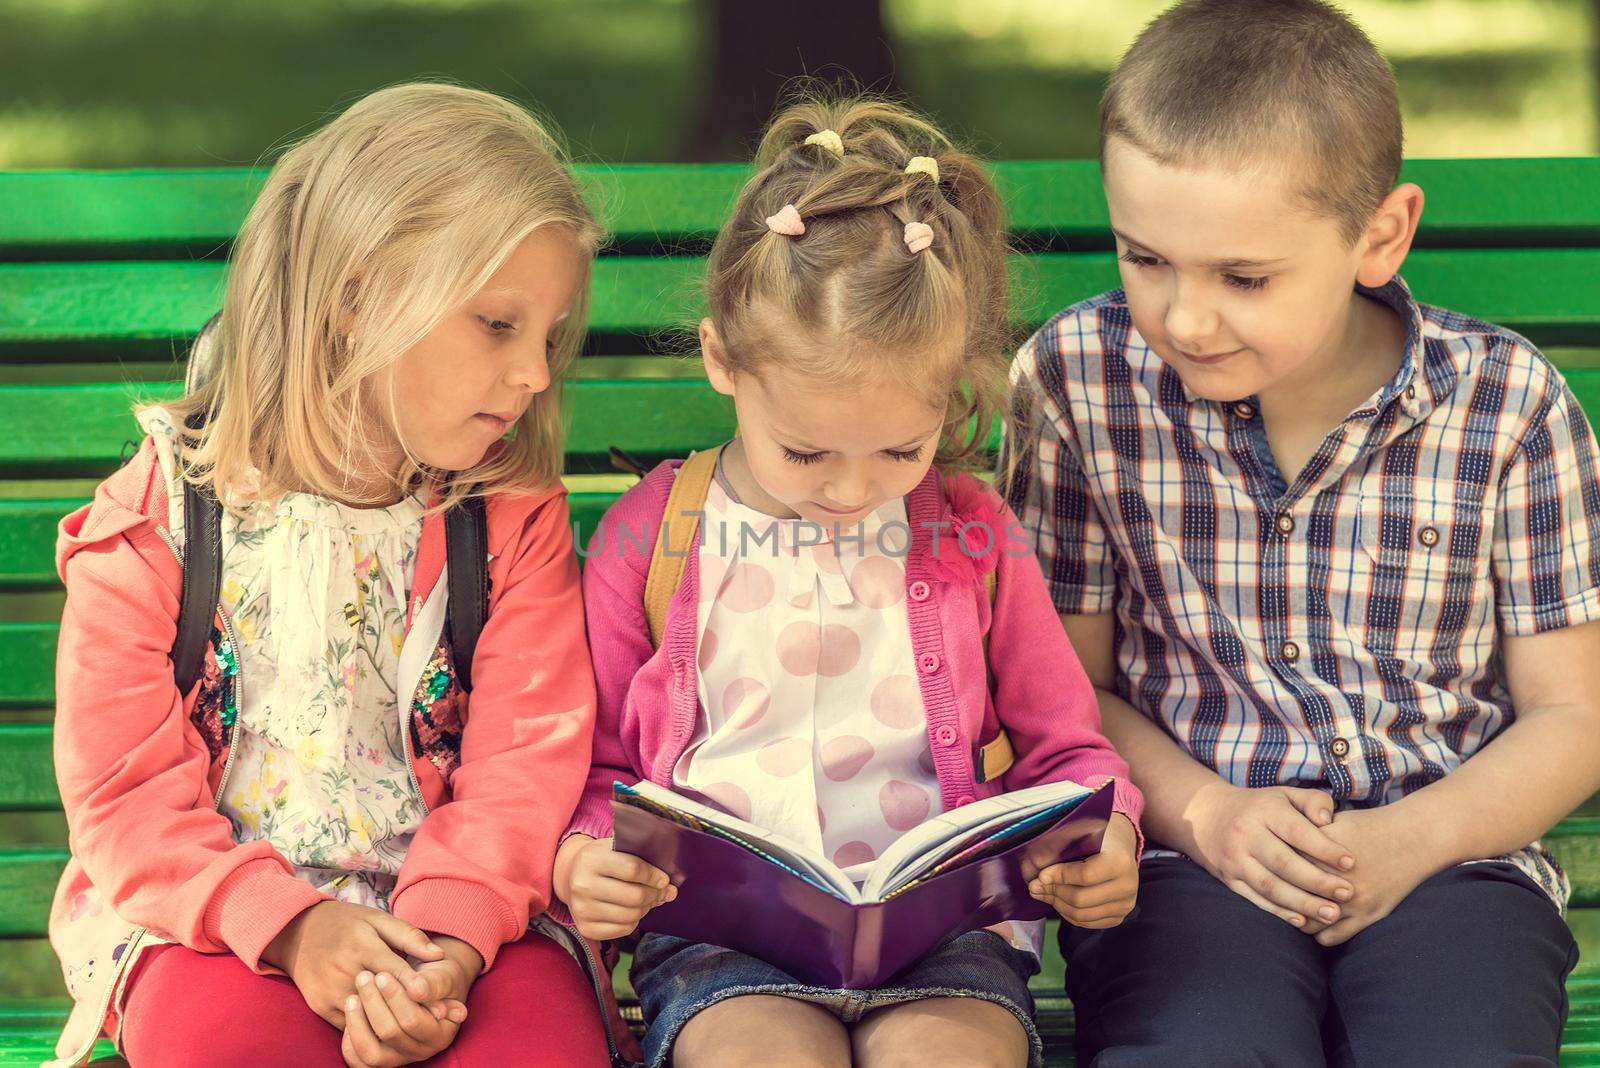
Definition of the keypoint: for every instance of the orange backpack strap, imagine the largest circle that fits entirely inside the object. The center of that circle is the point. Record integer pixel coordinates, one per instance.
(997, 757)
(680, 527)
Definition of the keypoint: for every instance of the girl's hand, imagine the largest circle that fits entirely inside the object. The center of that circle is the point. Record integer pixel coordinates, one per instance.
(1261, 843)
(383, 1027)
(1098, 891)
(328, 945)
(607, 892)
(452, 977)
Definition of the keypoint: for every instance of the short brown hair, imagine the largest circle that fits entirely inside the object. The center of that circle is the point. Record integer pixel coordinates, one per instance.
(1230, 80)
(847, 301)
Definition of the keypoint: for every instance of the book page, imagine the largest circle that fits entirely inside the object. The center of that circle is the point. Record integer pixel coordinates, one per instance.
(925, 845)
(785, 851)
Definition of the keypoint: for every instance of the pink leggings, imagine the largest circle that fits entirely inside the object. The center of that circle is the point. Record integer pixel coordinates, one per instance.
(535, 1006)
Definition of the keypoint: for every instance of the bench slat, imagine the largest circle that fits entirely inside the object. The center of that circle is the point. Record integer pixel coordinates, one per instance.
(71, 430)
(27, 883)
(28, 668)
(1522, 201)
(28, 536)
(1544, 293)
(27, 541)
(83, 430)
(27, 766)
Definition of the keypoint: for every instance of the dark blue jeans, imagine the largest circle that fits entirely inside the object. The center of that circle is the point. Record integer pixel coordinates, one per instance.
(1469, 970)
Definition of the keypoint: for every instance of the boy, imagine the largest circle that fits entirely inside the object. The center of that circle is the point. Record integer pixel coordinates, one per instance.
(1317, 545)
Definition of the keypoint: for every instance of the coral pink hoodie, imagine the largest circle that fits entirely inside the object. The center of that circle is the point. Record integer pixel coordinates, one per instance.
(140, 765)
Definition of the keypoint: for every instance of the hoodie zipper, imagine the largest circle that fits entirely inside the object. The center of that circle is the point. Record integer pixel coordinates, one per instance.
(592, 968)
(405, 745)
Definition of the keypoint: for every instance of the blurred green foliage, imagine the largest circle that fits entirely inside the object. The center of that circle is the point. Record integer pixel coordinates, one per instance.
(119, 83)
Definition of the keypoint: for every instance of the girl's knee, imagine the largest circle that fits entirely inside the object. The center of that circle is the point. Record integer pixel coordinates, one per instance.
(763, 1029)
(968, 1032)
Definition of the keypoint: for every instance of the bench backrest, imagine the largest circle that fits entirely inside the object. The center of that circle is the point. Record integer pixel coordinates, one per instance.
(104, 277)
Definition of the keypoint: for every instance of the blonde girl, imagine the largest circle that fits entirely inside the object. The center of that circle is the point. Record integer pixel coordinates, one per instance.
(324, 850)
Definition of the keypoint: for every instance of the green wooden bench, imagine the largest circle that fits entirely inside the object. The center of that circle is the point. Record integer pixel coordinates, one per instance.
(105, 276)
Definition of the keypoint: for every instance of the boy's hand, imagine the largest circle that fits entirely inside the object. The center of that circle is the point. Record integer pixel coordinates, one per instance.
(607, 892)
(1098, 891)
(1395, 859)
(328, 945)
(1257, 841)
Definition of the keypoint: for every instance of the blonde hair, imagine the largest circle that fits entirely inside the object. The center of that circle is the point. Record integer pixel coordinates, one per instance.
(1229, 80)
(847, 300)
(364, 236)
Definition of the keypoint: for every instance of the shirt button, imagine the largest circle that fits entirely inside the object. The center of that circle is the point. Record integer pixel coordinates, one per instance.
(919, 591)
(1339, 747)
(1286, 523)
(965, 799)
(1428, 536)
(1290, 651)
(1411, 392)
(1244, 410)
(945, 735)
(928, 663)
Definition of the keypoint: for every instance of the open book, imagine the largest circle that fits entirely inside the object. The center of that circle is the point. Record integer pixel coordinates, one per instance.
(762, 894)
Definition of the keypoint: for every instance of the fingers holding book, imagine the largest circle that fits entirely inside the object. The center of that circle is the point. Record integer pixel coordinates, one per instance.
(1099, 891)
(607, 892)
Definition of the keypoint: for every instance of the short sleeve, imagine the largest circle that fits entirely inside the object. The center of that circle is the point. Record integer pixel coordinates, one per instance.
(1546, 555)
(1048, 487)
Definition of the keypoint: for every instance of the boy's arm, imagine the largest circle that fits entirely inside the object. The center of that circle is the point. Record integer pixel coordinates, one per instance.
(1545, 565)
(1536, 771)
(1252, 840)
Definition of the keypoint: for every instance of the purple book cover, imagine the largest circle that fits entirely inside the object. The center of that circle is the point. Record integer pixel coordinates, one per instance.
(730, 896)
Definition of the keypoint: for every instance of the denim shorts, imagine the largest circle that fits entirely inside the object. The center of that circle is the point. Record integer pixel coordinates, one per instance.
(675, 979)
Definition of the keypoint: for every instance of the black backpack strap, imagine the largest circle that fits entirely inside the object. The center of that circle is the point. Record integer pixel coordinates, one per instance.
(466, 550)
(202, 577)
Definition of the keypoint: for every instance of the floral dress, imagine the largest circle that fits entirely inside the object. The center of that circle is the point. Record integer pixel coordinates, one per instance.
(316, 592)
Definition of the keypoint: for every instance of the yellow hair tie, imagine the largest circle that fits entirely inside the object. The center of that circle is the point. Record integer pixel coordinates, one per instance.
(828, 140)
(924, 165)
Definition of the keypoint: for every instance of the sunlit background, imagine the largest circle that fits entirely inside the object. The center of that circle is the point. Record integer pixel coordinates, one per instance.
(126, 83)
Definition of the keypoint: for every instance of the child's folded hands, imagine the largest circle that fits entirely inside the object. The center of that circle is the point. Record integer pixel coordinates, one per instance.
(1262, 842)
(1098, 891)
(327, 946)
(385, 1026)
(1396, 856)
(607, 892)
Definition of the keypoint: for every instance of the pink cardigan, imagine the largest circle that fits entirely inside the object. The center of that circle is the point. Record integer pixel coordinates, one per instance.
(648, 703)
(138, 776)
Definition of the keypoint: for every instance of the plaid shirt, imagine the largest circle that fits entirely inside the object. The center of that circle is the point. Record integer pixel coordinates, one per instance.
(1340, 632)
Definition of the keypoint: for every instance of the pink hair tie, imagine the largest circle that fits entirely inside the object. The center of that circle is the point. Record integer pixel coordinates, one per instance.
(786, 222)
(919, 235)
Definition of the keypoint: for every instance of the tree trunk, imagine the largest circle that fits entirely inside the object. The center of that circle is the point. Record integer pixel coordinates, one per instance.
(757, 46)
